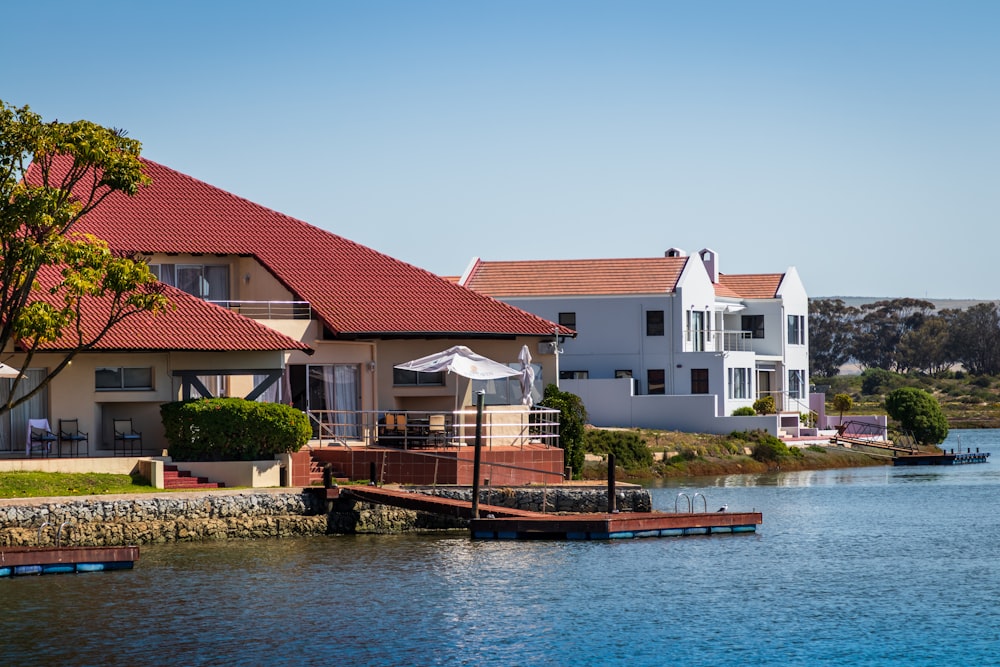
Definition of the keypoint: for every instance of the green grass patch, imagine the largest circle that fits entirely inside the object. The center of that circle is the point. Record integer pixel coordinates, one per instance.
(28, 484)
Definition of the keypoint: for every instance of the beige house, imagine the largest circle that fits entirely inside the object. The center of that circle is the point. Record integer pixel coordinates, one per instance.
(338, 317)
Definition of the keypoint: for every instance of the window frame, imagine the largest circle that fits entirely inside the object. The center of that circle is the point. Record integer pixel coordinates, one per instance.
(122, 373)
(796, 330)
(654, 327)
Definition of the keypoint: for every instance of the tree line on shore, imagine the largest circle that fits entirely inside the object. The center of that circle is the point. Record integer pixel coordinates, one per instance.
(903, 335)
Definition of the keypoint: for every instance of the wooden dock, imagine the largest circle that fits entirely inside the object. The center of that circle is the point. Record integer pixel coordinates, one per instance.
(614, 526)
(497, 522)
(16, 561)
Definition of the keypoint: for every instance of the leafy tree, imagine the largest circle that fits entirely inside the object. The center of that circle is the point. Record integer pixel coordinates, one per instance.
(572, 420)
(881, 328)
(926, 348)
(919, 413)
(56, 285)
(630, 450)
(974, 338)
(831, 328)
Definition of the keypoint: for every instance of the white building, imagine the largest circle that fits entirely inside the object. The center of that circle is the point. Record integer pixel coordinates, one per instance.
(667, 342)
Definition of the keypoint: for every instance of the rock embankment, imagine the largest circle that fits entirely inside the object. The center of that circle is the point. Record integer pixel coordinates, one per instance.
(262, 513)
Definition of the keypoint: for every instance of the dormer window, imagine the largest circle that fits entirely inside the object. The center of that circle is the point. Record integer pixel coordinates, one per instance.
(206, 281)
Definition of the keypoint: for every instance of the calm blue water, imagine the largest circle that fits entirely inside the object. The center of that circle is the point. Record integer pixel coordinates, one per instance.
(873, 566)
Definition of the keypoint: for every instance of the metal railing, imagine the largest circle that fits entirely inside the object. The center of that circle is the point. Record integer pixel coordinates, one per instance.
(417, 429)
(269, 310)
(721, 340)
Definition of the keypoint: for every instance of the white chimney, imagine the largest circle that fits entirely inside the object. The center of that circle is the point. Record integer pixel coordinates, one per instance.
(711, 262)
(675, 252)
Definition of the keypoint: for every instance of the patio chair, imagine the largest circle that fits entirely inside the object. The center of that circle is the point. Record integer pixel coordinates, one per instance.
(40, 437)
(70, 434)
(437, 430)
(126, 436)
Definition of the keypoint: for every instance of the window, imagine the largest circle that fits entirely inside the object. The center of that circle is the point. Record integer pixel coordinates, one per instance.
(656, 381)
(207, 281)
(623, 374)
(739, 383)
(796, 330)
(108, 378)
(404, 378)
(654, 322)
(696, 330)
(754, 325)
(567, 320)
(574, 375)
(699, 380)
(796, 384)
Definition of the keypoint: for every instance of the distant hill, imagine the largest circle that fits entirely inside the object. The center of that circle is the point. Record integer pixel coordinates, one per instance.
(940, 304)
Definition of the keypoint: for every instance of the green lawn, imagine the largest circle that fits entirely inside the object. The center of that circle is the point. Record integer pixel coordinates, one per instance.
(27, 484)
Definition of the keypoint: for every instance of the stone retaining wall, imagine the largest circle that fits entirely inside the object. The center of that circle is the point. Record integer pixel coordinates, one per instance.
(186, 517)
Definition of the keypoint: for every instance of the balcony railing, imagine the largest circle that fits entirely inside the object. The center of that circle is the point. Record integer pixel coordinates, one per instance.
(269, 310)
(716, 340)
(413, 429)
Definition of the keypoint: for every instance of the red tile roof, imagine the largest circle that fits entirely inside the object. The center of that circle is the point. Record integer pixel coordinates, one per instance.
(751, 285)
(353, 290)
(576, 277)
(591, 277)
(190, 325)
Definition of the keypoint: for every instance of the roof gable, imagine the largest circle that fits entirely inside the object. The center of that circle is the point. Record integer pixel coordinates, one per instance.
(352, 289)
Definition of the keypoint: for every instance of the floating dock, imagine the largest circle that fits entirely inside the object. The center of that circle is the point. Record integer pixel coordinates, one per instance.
(17, 561)
(943, 459)
(625, 525)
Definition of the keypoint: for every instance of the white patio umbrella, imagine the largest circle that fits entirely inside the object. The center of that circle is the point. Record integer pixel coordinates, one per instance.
(461, 361)
(527, 376)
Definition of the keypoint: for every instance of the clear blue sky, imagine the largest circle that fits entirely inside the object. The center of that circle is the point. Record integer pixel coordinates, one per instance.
(856, 141)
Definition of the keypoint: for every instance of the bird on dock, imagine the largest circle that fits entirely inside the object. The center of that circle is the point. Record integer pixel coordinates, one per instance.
(723, 508)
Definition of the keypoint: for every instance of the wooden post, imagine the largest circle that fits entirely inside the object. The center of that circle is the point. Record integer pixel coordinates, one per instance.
(612, 504)
(480, 401)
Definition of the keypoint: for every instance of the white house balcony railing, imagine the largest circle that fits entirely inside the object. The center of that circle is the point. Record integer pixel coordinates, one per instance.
(716, 340)
(269, 310)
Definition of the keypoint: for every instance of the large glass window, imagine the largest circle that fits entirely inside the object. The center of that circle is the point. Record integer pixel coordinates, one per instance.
(507, 391)
(754, 325)
(739, 383)
(796, 384)
(654, 322)
(796, 330)
(207, 281)
(118, 378)
(331, 394)
(696, 330)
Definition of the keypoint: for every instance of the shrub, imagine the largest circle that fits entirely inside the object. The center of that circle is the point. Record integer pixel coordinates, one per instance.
(629, 449)
(919, 413)
(873, 380)
(572, 419)
(764, 405)
(232, 429)
(745, 411)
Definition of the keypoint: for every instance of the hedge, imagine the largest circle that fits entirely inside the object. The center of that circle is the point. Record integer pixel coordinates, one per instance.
(232, 429)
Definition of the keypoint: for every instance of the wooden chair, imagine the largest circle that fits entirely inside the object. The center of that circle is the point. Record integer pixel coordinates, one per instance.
(70, 434)
(126, 436)
(40, 437)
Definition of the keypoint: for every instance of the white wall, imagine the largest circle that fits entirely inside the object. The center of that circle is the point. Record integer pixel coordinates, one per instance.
(610, 403)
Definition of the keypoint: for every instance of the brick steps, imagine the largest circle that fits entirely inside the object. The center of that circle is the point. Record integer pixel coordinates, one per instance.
(316, 474)
(174, 478)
